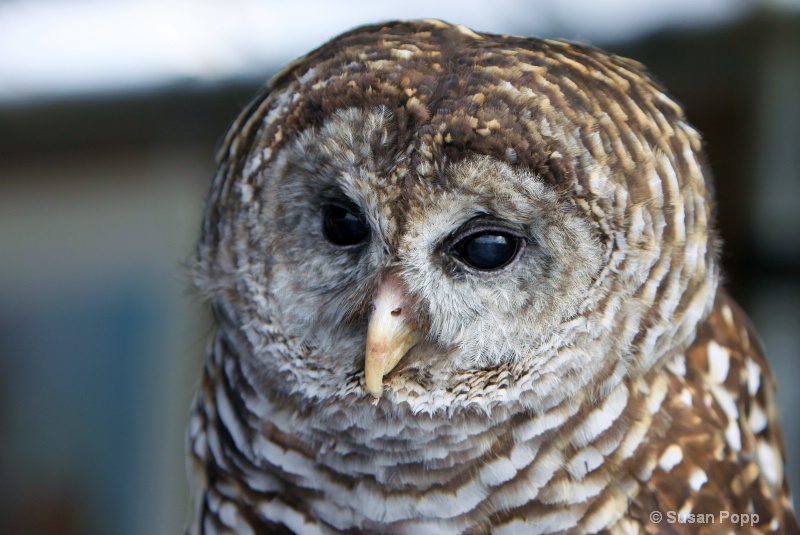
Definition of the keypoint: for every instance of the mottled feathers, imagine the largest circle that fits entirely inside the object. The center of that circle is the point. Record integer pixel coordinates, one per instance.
(467, 283)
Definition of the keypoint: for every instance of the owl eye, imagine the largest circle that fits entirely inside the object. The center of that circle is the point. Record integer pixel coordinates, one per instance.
(488, 250)
(343, 226)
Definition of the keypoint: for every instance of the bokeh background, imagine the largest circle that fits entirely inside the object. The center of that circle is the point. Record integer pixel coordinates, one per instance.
(110, 111)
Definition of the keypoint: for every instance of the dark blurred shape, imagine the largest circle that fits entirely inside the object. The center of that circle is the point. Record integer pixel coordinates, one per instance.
(43, 513)
(182, 115)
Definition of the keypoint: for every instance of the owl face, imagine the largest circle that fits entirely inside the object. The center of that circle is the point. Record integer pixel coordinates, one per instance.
(490, 259)
(422, 212)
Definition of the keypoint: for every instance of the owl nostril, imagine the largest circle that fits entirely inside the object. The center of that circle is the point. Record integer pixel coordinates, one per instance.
(396, 312)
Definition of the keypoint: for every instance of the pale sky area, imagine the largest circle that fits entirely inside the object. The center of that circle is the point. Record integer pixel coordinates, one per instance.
(56, 48)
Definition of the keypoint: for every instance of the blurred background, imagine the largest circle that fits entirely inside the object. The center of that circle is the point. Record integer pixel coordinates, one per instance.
(110, 111)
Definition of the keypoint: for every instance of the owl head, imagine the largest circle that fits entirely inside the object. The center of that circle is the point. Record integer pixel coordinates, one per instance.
(416, 209)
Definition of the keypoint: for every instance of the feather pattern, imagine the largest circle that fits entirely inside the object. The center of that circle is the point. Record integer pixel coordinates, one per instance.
(598, 376)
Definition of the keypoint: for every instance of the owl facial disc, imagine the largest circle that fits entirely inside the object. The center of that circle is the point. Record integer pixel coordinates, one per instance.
(390, 334)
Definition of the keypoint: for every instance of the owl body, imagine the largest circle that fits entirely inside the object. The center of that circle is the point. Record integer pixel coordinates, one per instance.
(466, 283)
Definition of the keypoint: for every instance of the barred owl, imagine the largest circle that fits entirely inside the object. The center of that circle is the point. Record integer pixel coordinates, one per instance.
(469, 283)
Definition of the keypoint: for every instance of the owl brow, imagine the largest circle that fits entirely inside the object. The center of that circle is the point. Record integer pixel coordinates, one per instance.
(335, 194)
(491, 218)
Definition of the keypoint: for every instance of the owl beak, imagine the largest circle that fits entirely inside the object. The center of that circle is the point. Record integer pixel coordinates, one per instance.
(390, 334)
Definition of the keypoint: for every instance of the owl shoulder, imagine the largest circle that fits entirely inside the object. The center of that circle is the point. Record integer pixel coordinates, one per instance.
(720, 453)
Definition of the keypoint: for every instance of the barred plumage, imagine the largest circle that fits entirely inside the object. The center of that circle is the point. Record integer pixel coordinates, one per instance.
(467, 283)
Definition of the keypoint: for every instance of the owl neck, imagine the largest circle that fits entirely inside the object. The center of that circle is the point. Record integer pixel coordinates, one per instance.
(574, 459)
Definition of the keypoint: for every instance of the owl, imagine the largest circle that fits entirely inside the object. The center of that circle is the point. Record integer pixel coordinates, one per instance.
(469, 283)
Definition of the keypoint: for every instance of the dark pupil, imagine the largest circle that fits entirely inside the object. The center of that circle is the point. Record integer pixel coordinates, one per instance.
(487, 250)
(343, 227)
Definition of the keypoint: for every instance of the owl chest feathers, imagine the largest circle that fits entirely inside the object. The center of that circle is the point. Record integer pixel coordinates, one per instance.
(350, 464)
